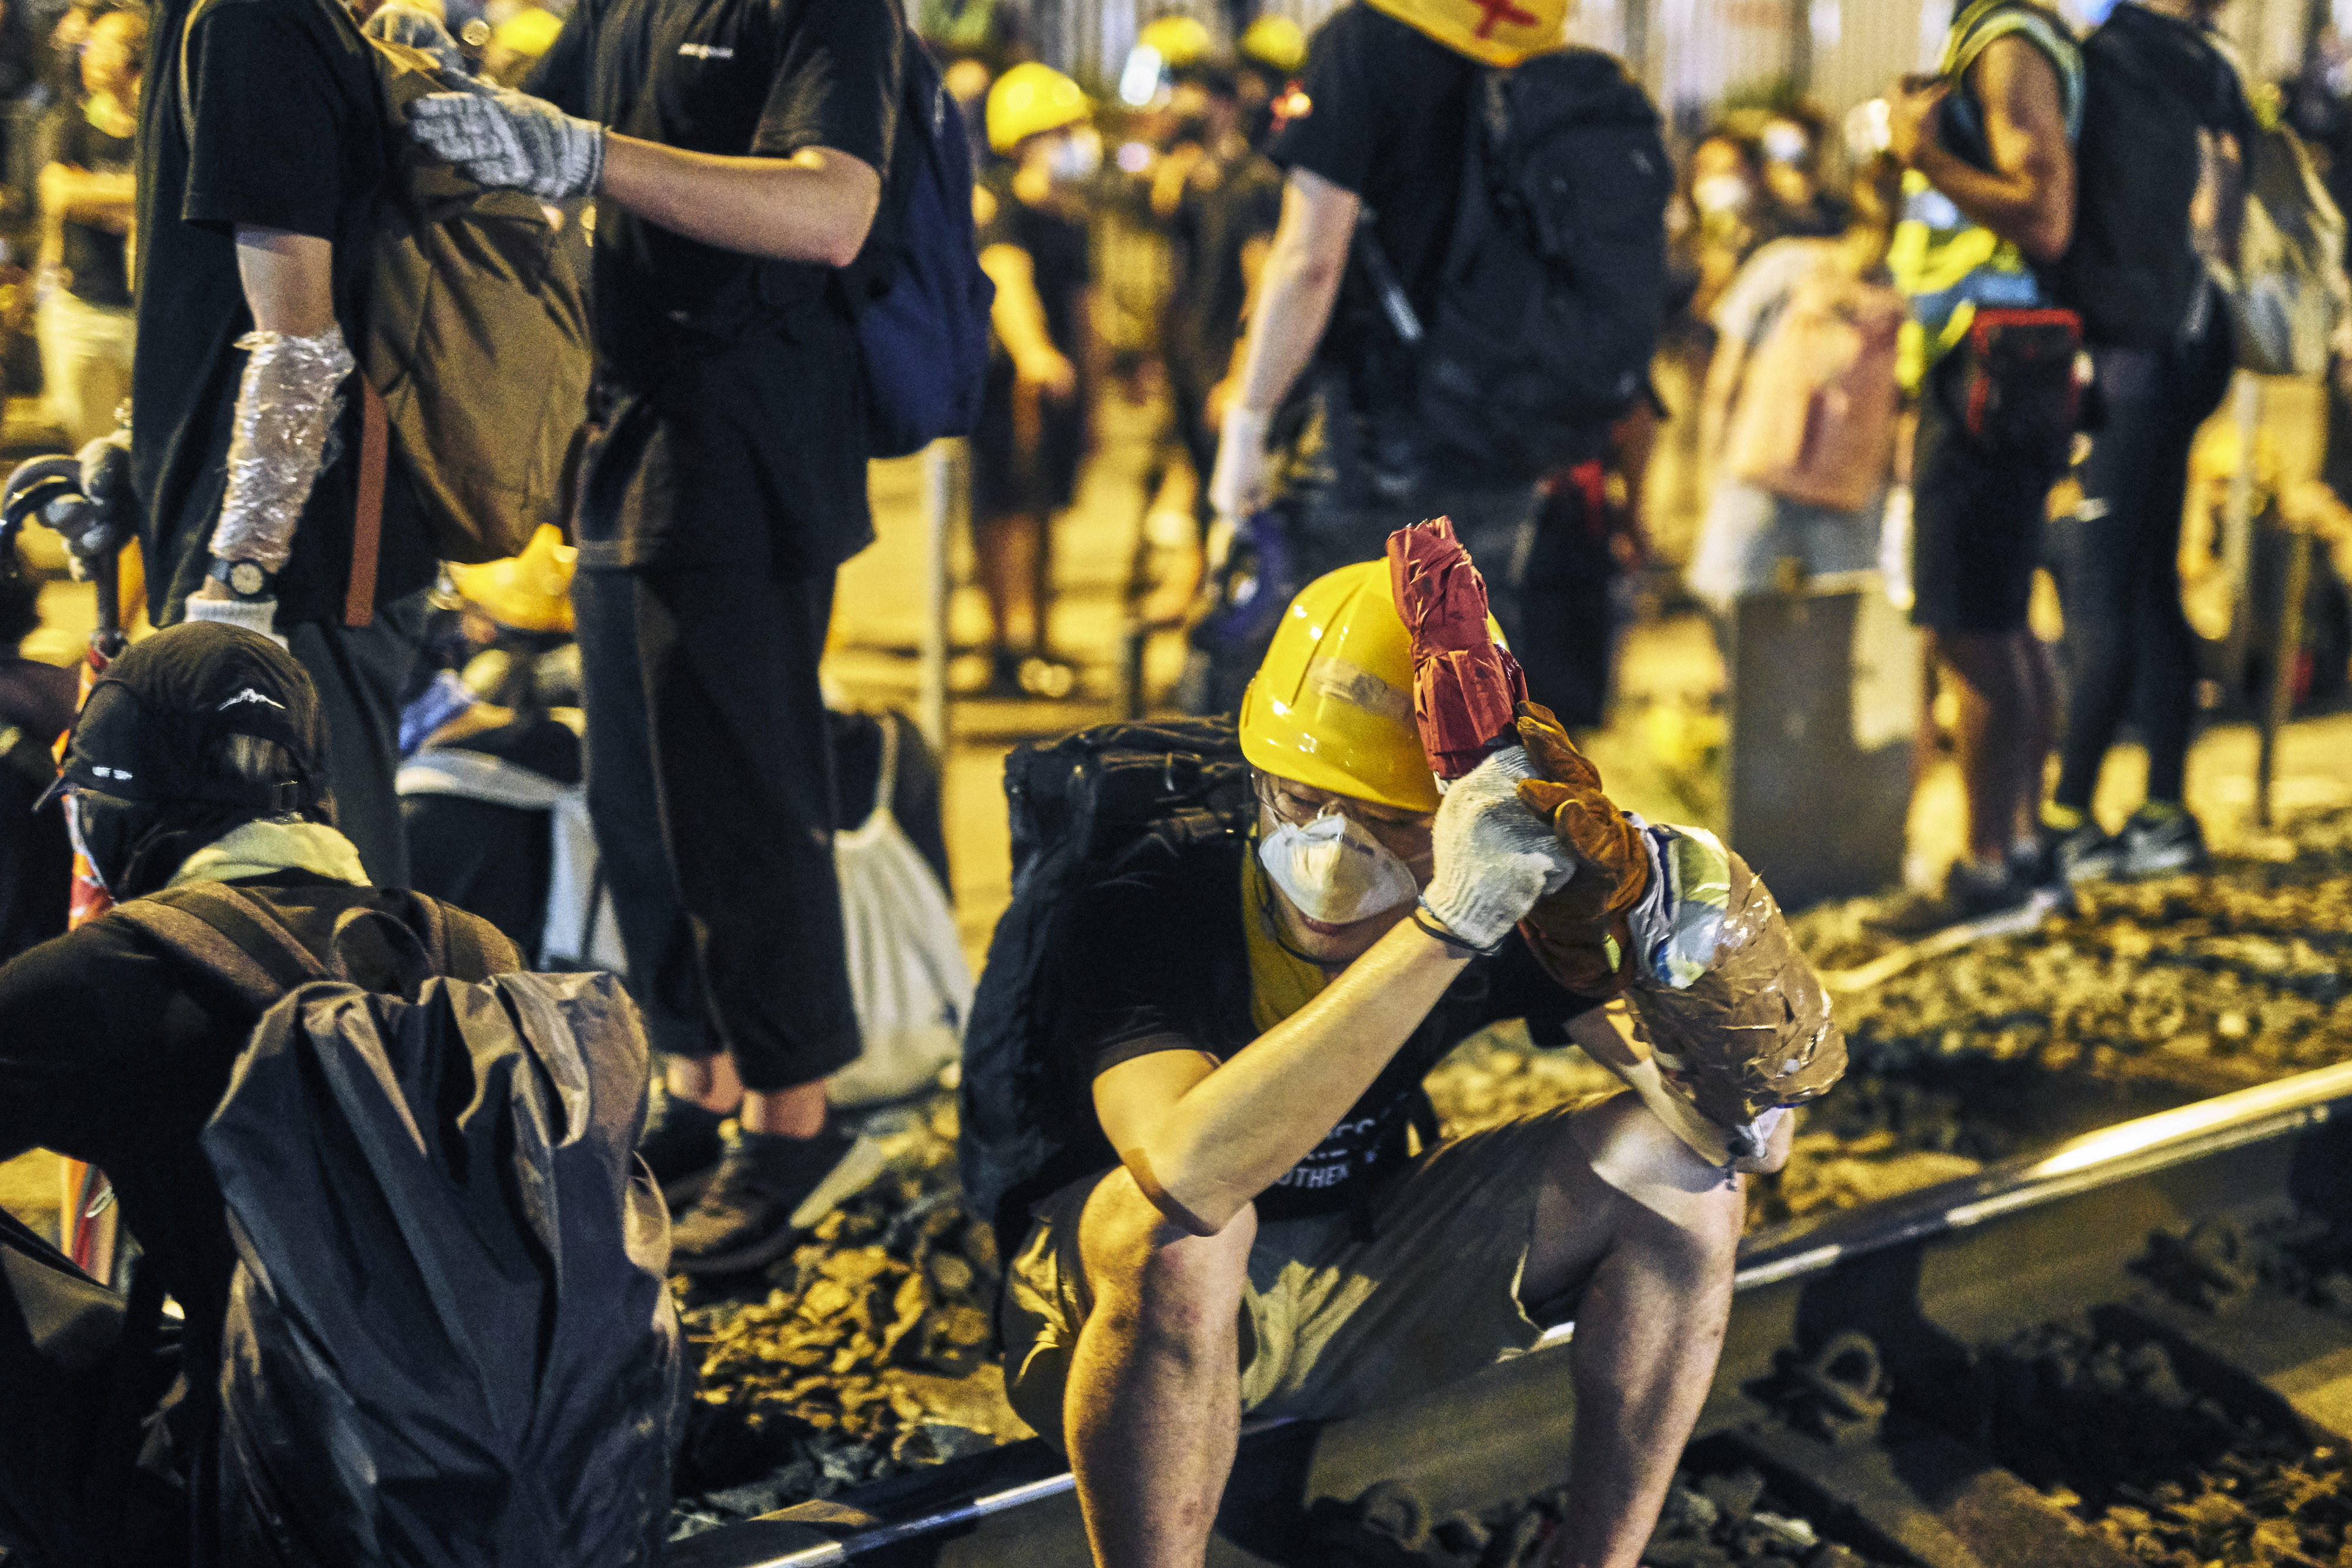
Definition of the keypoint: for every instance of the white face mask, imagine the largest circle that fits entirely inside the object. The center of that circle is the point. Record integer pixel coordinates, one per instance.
(1075, 156)
(1719, 193)
(1335, 871)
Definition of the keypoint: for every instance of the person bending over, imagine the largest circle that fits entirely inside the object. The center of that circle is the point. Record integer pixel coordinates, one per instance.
(1244, 1024)
(201, 756)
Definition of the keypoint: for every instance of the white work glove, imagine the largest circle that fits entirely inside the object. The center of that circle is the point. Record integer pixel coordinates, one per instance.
(1895, 547)
(512, 141)
(1493, 857)
(1240, 478)
(253, 614)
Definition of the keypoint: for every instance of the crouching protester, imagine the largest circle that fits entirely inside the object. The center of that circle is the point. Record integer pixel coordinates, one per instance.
(1244, 1208)
(330, 1404)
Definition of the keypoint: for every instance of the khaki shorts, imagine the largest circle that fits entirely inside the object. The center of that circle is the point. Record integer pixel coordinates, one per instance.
(1331, 1324)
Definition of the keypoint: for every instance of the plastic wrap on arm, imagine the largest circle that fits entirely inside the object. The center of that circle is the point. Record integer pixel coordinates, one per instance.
(285, 405)
(1466, 686)
(1753, 1029)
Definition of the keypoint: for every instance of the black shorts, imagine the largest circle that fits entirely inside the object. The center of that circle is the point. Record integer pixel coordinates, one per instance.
(1011, 475)
(1975, 528)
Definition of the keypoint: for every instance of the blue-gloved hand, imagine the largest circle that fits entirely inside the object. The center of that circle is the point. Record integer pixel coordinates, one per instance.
(510, 140)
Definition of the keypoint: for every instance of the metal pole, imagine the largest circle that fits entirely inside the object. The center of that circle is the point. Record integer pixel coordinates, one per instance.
(2238, 530)
(940, 490)
(2285, 656)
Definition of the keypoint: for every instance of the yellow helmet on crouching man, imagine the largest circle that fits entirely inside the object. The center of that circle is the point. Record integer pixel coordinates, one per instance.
(1331, 704)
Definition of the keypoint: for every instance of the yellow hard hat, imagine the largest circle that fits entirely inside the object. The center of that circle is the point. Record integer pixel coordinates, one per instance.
(1332, 706)
(529, 593)
(1178, 40)
(1030, 98)
(1274, 41)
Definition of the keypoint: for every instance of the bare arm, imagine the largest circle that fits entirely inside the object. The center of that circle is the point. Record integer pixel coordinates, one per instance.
(1019, 317)
(79, 195)
(1297, 287)
(2029, 195)
(289, 280)
(815, 206)
(1212, 1138)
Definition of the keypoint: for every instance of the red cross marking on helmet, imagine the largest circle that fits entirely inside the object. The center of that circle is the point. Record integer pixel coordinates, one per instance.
(1503, 11)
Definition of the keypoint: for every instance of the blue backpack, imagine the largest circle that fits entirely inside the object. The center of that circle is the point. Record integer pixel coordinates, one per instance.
(920, 296)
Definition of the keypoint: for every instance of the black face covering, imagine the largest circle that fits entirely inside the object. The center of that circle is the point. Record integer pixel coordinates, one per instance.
(134, 847)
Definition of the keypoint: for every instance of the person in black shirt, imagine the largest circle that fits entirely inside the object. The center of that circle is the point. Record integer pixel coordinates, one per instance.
(1033, 245)
(1321, 428)
(86, 201)
(1223, 224)
(246, 435)
(1241, 1027)
(200, 757)
(738, 148)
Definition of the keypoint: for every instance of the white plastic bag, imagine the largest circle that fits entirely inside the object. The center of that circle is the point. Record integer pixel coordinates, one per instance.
(906, 968)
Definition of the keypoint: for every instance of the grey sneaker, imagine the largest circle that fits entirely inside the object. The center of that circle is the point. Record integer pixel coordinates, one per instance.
(2161, 845)
(770, 1190)
(2089, 853)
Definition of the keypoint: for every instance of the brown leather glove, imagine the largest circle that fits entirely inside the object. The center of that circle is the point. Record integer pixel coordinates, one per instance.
(1570, 929)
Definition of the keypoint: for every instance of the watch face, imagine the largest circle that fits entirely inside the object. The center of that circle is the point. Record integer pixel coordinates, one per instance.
(247, 578)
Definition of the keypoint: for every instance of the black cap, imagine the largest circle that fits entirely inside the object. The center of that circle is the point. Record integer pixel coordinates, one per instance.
(147, 730)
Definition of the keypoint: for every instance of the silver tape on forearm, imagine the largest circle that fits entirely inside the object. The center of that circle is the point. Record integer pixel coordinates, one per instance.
(285, 405)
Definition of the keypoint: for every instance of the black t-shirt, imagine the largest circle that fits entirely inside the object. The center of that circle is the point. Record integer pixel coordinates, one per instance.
(1388, 112)
(93, 256)
(1158, 949)
(740, 356)
(289, 135)
(1215, 222)
(114, 1052)
(1058, 251)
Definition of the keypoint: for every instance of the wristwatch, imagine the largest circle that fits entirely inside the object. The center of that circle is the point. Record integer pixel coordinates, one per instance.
(247, 580)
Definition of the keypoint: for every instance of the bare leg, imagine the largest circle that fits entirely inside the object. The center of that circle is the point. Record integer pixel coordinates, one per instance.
(710, 1081)
(1010, 547)
(1153, 1411)
(1997, 728)
(1649, 1328)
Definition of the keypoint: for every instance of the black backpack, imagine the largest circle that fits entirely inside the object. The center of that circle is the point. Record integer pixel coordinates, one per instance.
(920, 298)
(1553, 291)
(449, 1341)
(2132, 270)
(1078, 806)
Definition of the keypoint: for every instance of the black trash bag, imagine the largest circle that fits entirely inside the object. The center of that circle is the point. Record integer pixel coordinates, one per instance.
(449, 1338)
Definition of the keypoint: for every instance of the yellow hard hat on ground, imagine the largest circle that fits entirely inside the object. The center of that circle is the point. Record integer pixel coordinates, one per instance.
(527, 593)
(1276, 42)
(1031, 99)
(1332, 705)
